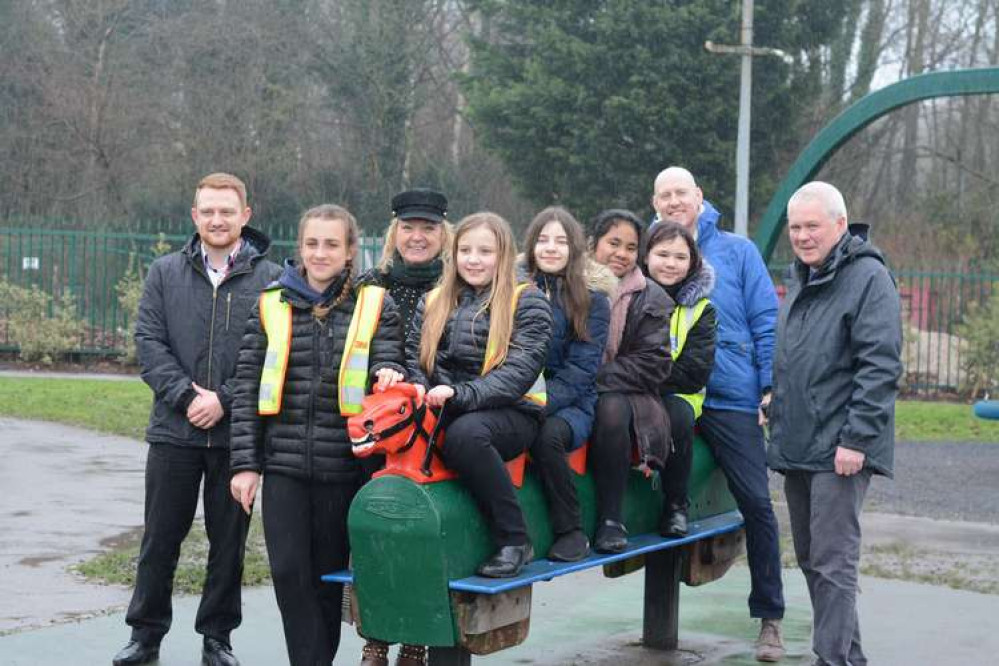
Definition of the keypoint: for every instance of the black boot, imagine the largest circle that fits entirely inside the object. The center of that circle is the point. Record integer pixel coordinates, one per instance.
(612, 537)
(570, 547)
(673, 523)
(217, 653)
(507, 561)
(136, 652)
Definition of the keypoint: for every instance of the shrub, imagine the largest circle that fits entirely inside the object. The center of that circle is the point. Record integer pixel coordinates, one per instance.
(44, 328)
(980, 358)
(129, 290)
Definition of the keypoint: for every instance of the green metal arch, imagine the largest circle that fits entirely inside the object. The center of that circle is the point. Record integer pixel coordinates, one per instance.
(856, 117)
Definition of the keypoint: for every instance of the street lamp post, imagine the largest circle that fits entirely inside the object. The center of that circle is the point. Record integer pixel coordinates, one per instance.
(747, 51)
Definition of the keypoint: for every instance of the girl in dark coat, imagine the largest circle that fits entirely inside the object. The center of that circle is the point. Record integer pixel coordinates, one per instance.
(555, 257)
(636, 363)
(303, 448)
(674, 262)
(491, 404)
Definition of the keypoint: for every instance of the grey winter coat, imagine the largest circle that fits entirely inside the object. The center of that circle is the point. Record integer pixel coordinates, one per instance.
(189, 331)
(462, 349)
(838, 361)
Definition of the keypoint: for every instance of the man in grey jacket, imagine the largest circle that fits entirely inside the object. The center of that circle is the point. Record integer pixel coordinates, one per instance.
(832, 418)
(194, 307)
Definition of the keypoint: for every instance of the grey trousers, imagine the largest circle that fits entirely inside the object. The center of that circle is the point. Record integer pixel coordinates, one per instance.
(825, 525)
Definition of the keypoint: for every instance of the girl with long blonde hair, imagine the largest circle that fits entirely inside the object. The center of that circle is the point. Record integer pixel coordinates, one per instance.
(490, 403)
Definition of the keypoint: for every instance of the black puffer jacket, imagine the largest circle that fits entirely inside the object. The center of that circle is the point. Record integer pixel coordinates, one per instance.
(643, 362)
(462, 350)
(308, 438)
(189, 331)
(693, 366)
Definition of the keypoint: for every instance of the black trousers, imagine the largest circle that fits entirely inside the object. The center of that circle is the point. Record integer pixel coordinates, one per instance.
(676, 476)
(475, 445)
(548, 456)
(305, 527)
(610, 453)
(173, 476)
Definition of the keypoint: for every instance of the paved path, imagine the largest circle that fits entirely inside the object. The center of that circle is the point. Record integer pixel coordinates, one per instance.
(64, 492)
(946, 481)
(903, 626)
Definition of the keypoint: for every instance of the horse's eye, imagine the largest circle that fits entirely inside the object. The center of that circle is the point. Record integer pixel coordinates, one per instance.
(402, 409)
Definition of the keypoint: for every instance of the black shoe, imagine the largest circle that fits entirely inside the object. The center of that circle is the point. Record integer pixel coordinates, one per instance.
(136, 652)
(611, 537)
(217, 653)
(570, 547)
(673, 524)
(507, 561)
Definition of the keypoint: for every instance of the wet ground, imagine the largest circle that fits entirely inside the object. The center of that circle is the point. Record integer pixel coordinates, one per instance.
(66, 491)
(63, 493)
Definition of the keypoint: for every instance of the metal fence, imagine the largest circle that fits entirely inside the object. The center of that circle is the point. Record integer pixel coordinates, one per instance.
(90, 264)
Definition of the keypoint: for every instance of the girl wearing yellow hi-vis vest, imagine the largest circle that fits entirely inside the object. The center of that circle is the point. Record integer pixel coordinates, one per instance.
(313, 344)
(673, 261)
(478, 345)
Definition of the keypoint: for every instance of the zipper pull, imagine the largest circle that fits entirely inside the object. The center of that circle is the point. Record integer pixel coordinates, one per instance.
(228, 308)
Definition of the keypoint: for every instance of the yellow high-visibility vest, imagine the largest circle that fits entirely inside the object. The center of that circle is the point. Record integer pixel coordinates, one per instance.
(681, 322)
(538, 393)
(275, 316)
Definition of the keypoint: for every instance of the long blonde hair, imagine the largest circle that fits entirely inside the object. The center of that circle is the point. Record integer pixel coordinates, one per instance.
(388, 248)
(499, 304)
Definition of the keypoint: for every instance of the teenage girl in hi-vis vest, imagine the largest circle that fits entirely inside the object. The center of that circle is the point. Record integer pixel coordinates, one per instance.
(674, 262)
(478, 345)
(298, 377)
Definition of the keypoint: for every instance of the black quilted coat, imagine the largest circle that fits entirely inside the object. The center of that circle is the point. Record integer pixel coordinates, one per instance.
(308, 438)
(463, 347)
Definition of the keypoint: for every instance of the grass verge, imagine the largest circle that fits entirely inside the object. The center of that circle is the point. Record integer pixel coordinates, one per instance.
(114, 407)
(117, 566)
(917, 421)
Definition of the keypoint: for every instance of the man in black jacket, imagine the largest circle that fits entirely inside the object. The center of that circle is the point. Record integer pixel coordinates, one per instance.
(194, 307)
(839, 341)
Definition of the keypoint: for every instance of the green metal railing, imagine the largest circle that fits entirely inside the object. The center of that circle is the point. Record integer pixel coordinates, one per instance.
(90, 264)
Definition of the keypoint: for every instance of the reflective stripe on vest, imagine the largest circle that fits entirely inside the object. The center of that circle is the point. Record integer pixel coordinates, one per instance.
(354, 365)
(538, 393)
(681, 322)
(275, 315)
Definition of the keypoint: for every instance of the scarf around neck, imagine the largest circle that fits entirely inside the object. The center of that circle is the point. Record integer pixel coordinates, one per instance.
(292, 278)
(631, 283)
(412, 275)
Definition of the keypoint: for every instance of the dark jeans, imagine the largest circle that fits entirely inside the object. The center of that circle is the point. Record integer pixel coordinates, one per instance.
(475, 445)
(548, 456)
(676, 476)
(305, 526)
(173, 476)
(736, 440)
(825, 524)
(610, 454)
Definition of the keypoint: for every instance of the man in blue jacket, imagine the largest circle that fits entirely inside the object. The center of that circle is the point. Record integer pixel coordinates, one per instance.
(832, 422)
(193, 311)
(739, 386)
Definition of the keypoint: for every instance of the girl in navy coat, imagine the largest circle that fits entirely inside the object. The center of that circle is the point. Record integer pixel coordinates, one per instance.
(555, 256)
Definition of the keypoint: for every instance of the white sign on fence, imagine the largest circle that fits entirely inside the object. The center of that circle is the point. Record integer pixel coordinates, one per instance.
(29, 263)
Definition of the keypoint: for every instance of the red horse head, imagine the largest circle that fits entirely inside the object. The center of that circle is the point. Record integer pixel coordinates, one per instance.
(396, 422)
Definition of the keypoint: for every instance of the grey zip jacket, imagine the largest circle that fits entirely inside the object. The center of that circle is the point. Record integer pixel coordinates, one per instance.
(189, 331)
(837, 362)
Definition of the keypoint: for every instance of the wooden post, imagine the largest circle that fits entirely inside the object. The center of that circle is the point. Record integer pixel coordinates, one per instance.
(660, 626)
(449, 656)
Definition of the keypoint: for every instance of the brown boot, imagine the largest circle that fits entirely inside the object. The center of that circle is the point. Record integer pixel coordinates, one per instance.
(770, 644)
(374, 653)
(411, 655)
